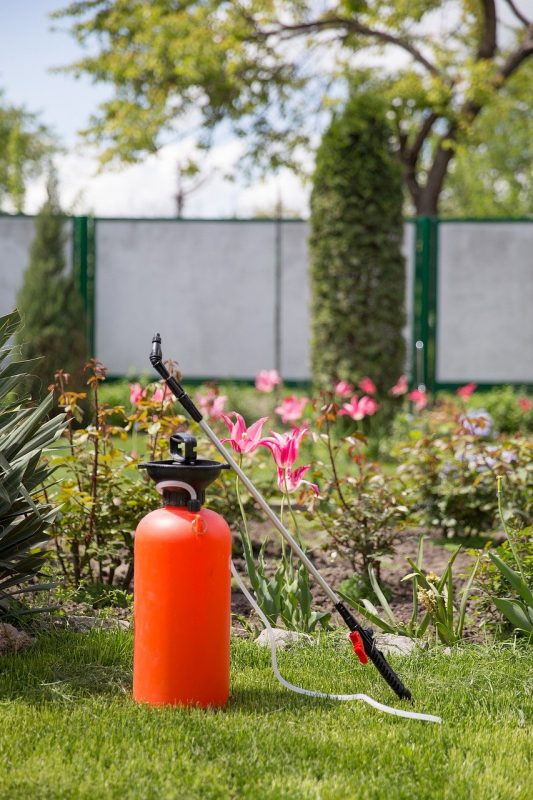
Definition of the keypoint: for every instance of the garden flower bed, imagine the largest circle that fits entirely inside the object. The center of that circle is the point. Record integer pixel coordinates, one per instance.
(380, 496)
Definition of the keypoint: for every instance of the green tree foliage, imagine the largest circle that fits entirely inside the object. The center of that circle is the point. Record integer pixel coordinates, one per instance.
(25, 145)
(50, 304)
(272, 69)
(357, 268)
(492, 173)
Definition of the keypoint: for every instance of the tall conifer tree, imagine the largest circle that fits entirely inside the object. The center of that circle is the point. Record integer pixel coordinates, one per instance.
(357, 267)
(51, 307)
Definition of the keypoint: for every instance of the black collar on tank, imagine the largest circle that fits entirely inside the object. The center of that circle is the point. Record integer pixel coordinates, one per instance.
(184, 466)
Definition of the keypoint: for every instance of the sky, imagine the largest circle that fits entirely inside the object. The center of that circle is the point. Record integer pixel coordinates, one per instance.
(30, 48)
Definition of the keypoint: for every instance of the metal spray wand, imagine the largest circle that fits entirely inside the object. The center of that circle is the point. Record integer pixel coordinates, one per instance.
(362, 638)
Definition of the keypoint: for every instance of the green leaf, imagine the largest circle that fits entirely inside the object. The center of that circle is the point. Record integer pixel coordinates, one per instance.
(23, 433)
(370, 606)
(422, 628)
(374, 618)
(8, 325)
(464, 600)
(513, 578)
(444, 578)
(449, 599)
(418, 562)
(445, 633)
(381, 597)
(515, 613)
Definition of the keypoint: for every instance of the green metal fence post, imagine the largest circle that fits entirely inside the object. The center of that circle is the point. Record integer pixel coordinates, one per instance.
(425, 303)
(91, 281)
(420, 315)
(83, 261)
(432, 278)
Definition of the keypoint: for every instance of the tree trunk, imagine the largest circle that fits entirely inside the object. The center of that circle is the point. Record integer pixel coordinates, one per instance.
(427, 204)
(427, 199)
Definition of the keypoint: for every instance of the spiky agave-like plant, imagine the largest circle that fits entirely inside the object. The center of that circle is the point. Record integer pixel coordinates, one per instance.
(25, 431)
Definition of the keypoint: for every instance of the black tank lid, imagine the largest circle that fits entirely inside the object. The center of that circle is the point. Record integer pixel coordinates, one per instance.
(184, 466)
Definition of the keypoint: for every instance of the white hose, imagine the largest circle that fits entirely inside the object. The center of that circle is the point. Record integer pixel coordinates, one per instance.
(364, 697)
(176, 485)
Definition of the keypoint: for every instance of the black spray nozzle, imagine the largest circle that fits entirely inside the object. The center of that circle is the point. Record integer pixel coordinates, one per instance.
(156, 360)
(156, 356)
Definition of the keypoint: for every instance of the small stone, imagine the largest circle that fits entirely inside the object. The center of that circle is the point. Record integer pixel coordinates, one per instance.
(82, 624)
(447, 651)
(391, 644)
(282, 638)
(12, 640)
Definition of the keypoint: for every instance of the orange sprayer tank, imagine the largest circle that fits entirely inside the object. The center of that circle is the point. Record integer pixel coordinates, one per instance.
(182, 589)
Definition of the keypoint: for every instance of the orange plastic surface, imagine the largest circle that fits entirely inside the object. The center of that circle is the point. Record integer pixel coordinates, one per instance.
(182, 608)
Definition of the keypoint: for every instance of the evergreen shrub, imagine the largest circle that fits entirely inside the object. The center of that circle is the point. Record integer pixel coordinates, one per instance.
(51, 307)
(357, 267)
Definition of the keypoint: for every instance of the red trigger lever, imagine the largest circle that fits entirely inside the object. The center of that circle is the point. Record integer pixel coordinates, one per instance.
(358, 647)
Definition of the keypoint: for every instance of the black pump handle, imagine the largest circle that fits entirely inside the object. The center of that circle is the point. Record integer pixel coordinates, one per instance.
(176, 442)
(375, 655)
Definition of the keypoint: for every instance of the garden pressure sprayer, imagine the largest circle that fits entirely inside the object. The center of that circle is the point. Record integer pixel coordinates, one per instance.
(182, 583)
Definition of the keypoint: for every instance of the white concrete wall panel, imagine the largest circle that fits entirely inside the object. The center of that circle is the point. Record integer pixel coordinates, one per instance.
(295, 302)
(209, 287)
(485, 303)
(206, 286)
(16, 234)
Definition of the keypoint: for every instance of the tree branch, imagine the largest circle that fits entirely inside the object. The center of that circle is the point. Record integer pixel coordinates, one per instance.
(411, 181)
(488, 44)
(330, 22)
(429, 194)
(518, 14)
(515, 58)
(425, 129)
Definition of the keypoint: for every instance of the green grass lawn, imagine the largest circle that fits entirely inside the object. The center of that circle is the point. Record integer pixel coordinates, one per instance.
(69, 729)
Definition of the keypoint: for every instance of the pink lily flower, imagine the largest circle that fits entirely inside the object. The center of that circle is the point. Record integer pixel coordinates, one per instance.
(217, 408)
(241, 438)
(400, 387)
(525, 404)
(344, 389)
(284, 446)
(266, 380)
(162, 394)
(419, 398)
(466, 391)
(367, 386)
(359, 409)
(211, 404)
(136, 393)
(291, 408)
(292, 479)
